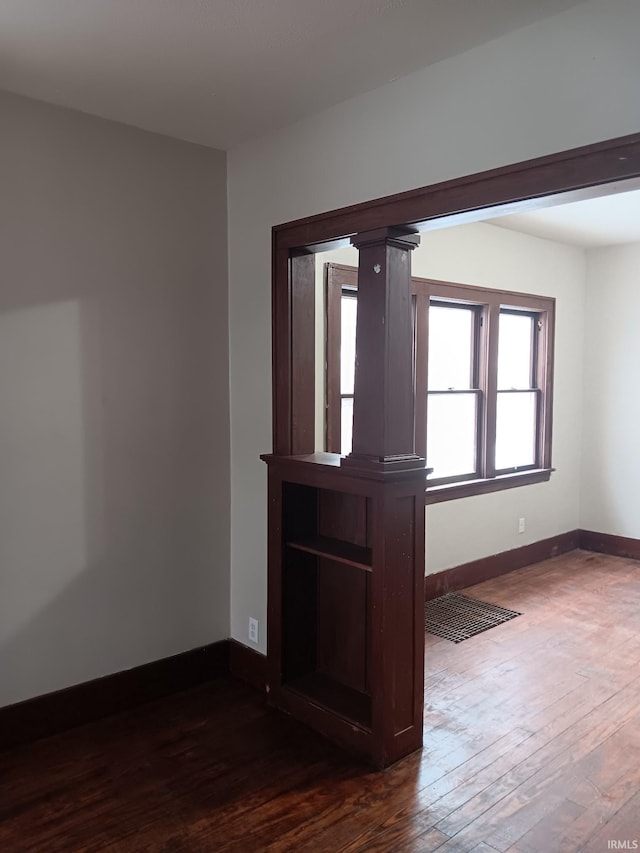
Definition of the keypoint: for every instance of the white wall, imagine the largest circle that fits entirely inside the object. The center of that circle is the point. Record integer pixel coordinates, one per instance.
(114, 433)
(564, 82)
(610, 494)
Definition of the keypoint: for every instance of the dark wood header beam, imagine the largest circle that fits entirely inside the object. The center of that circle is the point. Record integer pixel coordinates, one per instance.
(562, 177)
(567, 173)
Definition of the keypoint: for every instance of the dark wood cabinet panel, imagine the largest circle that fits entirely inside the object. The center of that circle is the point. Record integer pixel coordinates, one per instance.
(346, 534)
(346, 592)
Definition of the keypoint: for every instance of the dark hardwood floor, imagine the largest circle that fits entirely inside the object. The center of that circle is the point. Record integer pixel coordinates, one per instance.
(532, 745)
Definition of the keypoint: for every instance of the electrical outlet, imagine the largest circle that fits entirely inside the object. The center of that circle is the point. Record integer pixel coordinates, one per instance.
(521, 525)
(253, 630)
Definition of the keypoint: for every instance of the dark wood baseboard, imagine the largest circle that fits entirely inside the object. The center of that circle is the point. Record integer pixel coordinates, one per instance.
(477, 571)
(55, 712)
(607, 543)
(83, 703)
(247, 665)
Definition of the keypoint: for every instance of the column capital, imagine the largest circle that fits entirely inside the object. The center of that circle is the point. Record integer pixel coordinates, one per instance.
(401, 238)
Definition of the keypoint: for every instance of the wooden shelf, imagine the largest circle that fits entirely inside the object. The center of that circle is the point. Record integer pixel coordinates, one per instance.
(335, 549)
(328, 693)
(345, 646)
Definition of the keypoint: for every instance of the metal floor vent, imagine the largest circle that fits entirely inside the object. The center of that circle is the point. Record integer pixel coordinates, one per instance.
(455, 617)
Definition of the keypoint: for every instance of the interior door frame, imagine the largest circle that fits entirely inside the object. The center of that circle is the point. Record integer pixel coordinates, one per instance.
(567, 176)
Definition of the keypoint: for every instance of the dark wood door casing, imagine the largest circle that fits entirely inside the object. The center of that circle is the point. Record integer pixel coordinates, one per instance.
(346, 600)
(566, 176)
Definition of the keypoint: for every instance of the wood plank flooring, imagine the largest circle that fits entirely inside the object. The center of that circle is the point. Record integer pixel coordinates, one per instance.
(532, 745)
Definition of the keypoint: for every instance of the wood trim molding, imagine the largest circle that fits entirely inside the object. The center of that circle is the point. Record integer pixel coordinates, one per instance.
(83, 703)
(608, 543)
(486, 568)
(566, 176)
(468, 488)
(248, 665)
(567, 173)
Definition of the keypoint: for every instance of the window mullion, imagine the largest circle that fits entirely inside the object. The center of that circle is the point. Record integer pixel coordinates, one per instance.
(490, 385)
(421, 344)
(338, 281)
(333, 419)
(544, 374)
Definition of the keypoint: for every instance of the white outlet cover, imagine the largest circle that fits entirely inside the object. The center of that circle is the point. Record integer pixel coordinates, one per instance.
(253, 630)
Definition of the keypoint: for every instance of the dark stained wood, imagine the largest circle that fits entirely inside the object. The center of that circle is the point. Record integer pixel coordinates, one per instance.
(247, 665)
(485, 377)
(300, 614)
(92, 700)
(486, 568)
(467, 488)
(568, 174)
(532, 744)
(475, 294)
(346, 593)
(293, 327)
(337, 277)
(397, 618)
(563, 177)
(333, 406)
(343, 593)
(384, 383)
(303, 301)
(492, 320)
(545, 362)
(607, 543)
(342, 640)
(341, 552)
(383, 435)
(51, 713)
(421, 370)
(328, 692)
(344, 516)
(489, 306)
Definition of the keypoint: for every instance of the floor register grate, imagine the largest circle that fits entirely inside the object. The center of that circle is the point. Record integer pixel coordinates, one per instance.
(456, 617)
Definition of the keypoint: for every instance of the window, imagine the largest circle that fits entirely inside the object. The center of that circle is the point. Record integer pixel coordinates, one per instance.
(454, 396)
(342, 306)
(483, 382)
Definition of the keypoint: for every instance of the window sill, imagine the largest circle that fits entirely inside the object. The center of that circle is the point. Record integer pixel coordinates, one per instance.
(468, 488)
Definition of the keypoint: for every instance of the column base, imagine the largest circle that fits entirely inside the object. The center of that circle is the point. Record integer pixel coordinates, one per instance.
(385, 465)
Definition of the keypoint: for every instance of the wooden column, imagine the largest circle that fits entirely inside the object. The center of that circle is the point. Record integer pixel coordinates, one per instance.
(384, 386)
(346, 535)
(293, 327)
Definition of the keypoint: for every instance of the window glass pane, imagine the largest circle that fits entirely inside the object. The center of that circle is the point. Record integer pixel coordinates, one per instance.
(450, 347)
(514, 351)
(451, 434)
(348, 312)
(346, 425)
(516, 430)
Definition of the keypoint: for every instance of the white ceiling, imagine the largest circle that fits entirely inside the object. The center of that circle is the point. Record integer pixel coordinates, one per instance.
(221, 71)
(604, 221)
